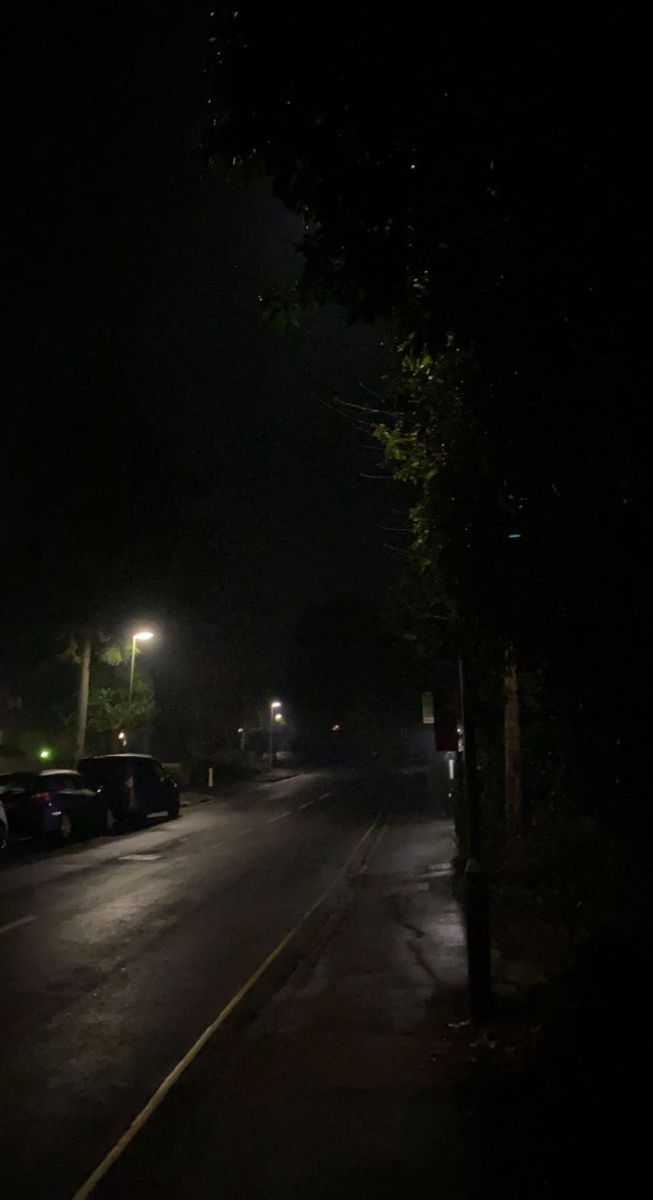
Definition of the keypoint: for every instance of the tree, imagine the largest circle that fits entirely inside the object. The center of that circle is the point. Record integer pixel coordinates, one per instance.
(454, 184)
(103, 700)
(111, 710)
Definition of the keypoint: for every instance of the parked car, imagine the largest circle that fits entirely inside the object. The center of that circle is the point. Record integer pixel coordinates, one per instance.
(4, 827)
(131, 786)
(55, 805)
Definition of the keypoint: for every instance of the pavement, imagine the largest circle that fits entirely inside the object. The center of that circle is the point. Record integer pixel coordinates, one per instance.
(236, 1004)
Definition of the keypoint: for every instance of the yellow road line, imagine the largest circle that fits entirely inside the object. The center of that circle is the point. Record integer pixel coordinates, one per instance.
(170, 1080)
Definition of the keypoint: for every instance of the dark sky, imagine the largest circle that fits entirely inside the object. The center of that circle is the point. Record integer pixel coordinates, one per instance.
(163, 438)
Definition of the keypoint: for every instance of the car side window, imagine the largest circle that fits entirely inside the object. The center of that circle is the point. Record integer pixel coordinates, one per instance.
(158, 771)
(149, 772)
(16, 785)
(53, 783)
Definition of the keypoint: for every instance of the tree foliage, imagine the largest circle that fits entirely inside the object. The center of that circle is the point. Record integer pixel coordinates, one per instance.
(477, 186)
(110, 708)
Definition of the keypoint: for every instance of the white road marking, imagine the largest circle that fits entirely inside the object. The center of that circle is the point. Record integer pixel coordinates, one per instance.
(16, 924)
(280, 817)
(316, 800)
(228, 841)
(138, 857)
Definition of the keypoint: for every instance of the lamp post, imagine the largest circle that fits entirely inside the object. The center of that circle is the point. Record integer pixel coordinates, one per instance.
(143, 635)
(275, 705)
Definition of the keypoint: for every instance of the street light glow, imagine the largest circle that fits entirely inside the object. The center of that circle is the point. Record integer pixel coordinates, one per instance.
(278, 716)
(45, 753)
(143, 635)
(275, 704)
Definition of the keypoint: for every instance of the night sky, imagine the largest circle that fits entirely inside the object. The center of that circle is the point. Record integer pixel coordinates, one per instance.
(163, 439)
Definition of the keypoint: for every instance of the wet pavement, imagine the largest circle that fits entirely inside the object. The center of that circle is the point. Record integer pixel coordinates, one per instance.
(328, 1093)
(117, 955)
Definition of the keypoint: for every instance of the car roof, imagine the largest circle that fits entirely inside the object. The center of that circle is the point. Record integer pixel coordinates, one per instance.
(60, 771)
(104, 757)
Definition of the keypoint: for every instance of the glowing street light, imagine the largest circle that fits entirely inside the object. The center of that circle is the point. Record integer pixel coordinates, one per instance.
(144, 635)
(275, 715)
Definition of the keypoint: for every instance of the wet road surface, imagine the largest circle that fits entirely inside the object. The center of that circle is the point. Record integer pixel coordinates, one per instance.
(116, 955)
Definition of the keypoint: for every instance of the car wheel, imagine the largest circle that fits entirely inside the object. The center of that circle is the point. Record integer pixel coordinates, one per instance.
(110, 822)
(173, 811)
(65, 828)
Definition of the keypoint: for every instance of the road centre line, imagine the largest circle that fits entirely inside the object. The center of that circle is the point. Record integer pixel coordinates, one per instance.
(139, 857)
(316, 800)
(280, 816)
(171, 1079)
(16, 924)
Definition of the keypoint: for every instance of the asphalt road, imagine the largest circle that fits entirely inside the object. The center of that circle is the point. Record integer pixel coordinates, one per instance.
(116, 955)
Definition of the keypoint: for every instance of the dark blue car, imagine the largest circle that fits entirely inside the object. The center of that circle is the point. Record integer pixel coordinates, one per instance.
(54, 805)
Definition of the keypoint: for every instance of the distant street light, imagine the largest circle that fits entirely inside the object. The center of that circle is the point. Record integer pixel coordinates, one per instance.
(275, 715)
(143, 635)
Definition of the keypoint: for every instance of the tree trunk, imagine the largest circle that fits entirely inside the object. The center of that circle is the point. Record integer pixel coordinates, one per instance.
(512, 747)
(82, 698)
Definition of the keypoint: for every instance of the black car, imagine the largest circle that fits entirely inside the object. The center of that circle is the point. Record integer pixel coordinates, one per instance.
(54, 805)
(131, 786)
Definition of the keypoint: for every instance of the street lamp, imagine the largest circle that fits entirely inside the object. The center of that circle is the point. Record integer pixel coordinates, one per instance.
(143, 635)
(275, 705)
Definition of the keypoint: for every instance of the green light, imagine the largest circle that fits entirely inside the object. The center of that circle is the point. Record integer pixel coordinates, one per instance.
(45, 753)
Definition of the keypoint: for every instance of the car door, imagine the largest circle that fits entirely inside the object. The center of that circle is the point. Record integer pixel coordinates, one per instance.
(81, 800)
(150, 776)
(22, 815)
(71, 791)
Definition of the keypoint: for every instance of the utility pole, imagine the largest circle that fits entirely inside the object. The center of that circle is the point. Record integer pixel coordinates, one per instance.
(477, 915)
(512, 747)
(82, 695)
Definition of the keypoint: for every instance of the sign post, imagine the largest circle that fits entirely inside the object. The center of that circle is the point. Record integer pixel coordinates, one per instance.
(428, 721)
